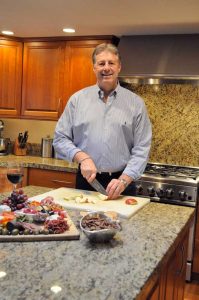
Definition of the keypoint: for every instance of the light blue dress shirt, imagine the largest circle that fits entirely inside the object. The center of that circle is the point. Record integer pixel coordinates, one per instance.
(116, 134)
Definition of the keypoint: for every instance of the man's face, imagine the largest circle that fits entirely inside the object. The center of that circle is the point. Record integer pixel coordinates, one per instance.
(107, 68)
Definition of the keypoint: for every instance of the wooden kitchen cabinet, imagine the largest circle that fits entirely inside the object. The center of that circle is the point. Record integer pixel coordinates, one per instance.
(52, 72)
(53, 69)
(5, 185)
(51, 178)
(173, 278)
(78, 66)
(168, 282)
(10, 77)
(42, 91)
(151, 290)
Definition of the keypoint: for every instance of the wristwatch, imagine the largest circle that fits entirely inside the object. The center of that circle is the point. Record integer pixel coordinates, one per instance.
(125, 183)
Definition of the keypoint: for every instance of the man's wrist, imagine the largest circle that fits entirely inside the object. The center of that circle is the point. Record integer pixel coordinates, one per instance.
(81, 161)
(125, 179)
(80, 156)
(125, 183)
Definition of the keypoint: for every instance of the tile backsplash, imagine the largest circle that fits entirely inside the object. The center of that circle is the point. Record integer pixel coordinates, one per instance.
(174, 113)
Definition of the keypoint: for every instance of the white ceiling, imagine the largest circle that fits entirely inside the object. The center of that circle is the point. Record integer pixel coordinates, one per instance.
(40, 18)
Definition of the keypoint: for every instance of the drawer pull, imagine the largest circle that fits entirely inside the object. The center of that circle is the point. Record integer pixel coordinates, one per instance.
(62, 181)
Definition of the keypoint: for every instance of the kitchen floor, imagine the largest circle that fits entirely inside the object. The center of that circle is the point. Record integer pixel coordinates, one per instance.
(192, 291)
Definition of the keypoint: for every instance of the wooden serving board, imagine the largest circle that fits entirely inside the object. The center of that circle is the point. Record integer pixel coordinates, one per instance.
(71, 234)
(118, 205)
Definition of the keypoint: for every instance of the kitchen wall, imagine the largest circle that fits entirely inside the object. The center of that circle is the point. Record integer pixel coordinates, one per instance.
(37, 129)
(174, 113)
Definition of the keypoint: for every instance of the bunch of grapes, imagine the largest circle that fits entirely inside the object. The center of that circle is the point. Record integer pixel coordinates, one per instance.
(16, 200)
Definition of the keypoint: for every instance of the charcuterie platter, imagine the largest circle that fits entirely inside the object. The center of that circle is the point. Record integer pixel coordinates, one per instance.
(23, 219)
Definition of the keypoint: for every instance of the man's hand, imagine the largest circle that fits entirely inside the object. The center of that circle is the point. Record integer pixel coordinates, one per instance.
(87, 165)
(115, 188)
(88, 169)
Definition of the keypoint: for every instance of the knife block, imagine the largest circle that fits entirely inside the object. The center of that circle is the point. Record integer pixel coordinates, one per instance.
(18, 150)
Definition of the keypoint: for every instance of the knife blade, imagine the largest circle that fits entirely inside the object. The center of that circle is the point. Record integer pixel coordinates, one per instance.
(98, 187)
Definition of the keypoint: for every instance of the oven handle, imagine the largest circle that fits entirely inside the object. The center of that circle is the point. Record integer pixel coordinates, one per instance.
(191, 241)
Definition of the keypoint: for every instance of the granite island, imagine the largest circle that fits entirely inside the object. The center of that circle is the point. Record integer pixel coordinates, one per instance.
(121, 269)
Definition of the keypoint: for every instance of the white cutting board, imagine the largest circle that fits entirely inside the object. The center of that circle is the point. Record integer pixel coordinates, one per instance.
(118, 205)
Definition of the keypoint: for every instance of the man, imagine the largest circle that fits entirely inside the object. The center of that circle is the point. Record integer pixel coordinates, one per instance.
(106, 129)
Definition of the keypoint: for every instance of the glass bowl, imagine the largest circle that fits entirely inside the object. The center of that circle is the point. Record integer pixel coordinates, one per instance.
(98, 227)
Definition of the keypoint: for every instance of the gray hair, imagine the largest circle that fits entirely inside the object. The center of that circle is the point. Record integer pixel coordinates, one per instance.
(105, 47)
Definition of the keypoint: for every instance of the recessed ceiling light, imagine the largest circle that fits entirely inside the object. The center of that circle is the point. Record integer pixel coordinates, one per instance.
(69, 30)
(2, 274)
(8, 32)
(56, 289)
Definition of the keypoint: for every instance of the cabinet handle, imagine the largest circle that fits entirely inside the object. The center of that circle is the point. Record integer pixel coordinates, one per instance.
(61, 181)
(178, 272)
(59, 107)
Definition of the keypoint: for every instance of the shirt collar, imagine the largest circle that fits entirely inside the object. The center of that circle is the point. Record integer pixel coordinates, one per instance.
(113, 93)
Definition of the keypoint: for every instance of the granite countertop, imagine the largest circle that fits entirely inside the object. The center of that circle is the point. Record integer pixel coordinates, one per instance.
(113, 271)
(40, 162)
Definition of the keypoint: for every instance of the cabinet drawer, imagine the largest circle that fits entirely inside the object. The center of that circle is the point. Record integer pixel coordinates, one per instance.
(50, 178)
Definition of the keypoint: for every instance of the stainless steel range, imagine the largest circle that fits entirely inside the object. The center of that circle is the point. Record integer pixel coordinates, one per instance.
(172, 185)
(169, 184)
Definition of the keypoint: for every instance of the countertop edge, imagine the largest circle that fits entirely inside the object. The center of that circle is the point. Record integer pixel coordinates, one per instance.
(38, 162)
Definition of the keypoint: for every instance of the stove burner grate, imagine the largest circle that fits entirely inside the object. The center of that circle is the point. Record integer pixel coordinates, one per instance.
(175, 171)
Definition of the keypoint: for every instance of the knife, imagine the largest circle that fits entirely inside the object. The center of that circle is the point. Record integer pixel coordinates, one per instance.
(98, 187)
(24, 140)
(20, 136)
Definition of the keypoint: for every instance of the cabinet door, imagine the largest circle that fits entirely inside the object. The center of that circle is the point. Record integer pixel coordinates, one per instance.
(43, 80)
(10, 78)
(181, 263)
(78, 66)
(151, 290)
(176, 272)
(51, 178)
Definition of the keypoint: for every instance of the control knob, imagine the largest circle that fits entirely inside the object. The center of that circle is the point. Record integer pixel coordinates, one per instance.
(160, 192)
(139, 189)
(151, 191)
(182, 195)
(169, 193)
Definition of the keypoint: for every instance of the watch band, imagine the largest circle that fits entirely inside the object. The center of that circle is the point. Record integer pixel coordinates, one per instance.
(125, 183)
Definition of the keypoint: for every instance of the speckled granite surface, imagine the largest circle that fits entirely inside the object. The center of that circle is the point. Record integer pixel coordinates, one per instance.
(113, 271)
(174, 113)
(40, 162)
